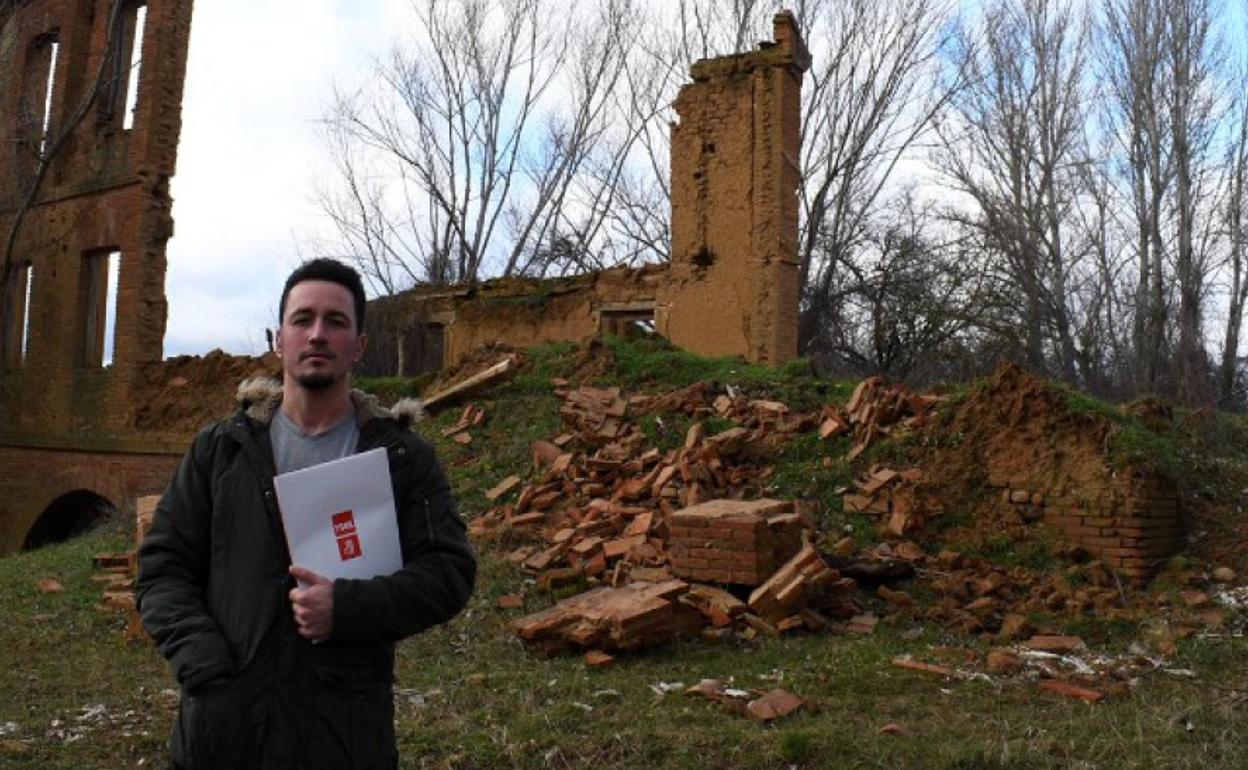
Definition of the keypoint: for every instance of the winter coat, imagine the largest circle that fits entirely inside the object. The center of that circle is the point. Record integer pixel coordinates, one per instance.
(213, 592)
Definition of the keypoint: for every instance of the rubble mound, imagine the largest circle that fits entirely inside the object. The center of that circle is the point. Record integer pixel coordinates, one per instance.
(1017, 426)
(184, 393)
(1016, 452)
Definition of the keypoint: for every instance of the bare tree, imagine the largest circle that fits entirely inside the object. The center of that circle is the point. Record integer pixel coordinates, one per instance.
(1013, 144)
(1235, 213)
(1133, 63)
(1191, 58)
(1159, 59)
(489, 144)
(866, 102)
(911, 303)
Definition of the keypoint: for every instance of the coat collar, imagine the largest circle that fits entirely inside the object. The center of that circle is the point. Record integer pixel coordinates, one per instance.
(259, 398)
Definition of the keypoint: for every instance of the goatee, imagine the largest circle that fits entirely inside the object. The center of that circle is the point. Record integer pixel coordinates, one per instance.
(315, 381)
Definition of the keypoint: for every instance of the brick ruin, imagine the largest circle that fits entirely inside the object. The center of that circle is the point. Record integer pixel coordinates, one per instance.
(90, 116)
(101, 85)
(731, 287)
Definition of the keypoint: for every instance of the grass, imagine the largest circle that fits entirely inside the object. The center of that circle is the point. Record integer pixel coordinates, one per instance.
(471, 696)
(1131, 441)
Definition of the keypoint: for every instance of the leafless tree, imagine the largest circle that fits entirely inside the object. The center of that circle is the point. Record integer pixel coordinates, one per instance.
(489, 144)
(1235, 214)
(1159, 59)
(909, 302)
(867, 100)
(1191, 53)
(1012, 142)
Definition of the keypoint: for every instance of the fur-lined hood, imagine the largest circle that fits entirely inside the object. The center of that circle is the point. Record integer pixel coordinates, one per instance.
(260, 396)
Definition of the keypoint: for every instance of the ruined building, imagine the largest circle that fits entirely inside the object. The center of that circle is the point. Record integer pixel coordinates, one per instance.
(731, 287)
(90, 113)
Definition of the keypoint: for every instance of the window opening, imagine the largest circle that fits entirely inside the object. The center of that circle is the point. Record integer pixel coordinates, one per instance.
(16, 322)
(136, 62)
(27, 281)
(38, 87)
(55, 48)
(628, 324)
(99, 277)
(110, 310)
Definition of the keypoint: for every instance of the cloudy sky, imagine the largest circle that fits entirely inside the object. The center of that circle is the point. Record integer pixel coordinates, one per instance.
(259, 76)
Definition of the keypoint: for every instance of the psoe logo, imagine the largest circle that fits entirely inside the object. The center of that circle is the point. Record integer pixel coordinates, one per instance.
(344, 524)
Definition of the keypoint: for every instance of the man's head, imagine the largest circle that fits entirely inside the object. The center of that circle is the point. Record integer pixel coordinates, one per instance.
(322, 310)
(325, 269)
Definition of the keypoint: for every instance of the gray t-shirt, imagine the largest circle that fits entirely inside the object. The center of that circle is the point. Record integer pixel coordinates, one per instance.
(293, 450)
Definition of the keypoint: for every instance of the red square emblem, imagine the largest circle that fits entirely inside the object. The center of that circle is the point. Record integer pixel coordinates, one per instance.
(349, 547)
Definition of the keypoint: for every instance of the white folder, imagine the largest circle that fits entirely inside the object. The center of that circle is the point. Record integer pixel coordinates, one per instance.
(340, 517)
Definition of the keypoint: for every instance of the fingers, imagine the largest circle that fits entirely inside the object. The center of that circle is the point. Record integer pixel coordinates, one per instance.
(305, 575)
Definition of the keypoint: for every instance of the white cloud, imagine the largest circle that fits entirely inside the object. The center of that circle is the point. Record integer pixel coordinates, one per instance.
(258, 76)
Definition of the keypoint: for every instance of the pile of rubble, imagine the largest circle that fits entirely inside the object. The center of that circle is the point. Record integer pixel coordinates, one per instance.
(117, 572)
(666, 538)
(877, 409)
(647, 544)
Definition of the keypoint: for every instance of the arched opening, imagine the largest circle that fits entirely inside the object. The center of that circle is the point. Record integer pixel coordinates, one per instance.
(68, 516)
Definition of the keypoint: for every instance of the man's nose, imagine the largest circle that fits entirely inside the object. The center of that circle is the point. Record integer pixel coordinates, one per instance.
(317, 332)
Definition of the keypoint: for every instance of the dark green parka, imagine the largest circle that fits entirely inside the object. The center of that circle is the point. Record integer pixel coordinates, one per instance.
(212, 591)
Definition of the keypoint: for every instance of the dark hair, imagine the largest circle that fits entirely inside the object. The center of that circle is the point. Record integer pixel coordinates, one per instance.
(325, 269)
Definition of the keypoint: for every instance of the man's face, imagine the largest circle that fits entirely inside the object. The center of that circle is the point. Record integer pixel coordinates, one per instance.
(317, 340)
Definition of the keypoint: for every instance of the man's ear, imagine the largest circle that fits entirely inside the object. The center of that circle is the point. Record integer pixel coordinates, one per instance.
(277, 340)
(361, 344)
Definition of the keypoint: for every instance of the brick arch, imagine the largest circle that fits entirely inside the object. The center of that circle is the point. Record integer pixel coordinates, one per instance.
(89, 476)
(66, 517)
(33, 479)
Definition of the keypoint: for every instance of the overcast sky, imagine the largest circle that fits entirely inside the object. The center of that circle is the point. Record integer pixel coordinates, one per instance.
(258, 77)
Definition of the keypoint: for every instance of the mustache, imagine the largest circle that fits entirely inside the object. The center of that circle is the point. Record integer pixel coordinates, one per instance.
(317, 352)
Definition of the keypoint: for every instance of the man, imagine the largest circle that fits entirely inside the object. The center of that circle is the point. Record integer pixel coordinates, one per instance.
(275, 675)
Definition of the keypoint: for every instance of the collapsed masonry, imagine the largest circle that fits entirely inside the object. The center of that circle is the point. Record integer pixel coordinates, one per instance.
(731, 287)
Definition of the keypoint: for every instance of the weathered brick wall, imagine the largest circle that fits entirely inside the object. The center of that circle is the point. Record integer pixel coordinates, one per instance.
(120, 477)
(512, 311)
(1131, 524)
(63, 416)
(731, 288)
(107, 189)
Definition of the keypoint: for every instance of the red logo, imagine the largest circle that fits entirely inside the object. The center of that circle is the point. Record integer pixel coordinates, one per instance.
(349, 547)
(344, 530)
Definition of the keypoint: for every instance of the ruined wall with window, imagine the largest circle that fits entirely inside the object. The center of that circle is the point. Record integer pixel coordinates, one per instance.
(731, 287)
(90, 114)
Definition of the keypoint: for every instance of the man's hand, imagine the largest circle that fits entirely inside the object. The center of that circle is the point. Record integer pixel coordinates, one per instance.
(314, 605)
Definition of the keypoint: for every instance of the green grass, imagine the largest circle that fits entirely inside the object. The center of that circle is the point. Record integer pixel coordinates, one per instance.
(472, 697)
(1131, 441)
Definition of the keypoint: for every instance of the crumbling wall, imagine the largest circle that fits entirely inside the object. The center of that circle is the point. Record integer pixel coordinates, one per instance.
(515, 312)
(104, 191)
(731, 288)
(90, 117)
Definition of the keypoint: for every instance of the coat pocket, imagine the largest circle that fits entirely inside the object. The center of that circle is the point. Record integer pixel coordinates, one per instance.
(217, 727)
(353, 720)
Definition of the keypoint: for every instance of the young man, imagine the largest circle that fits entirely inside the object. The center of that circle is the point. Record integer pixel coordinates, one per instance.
(274, 675)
